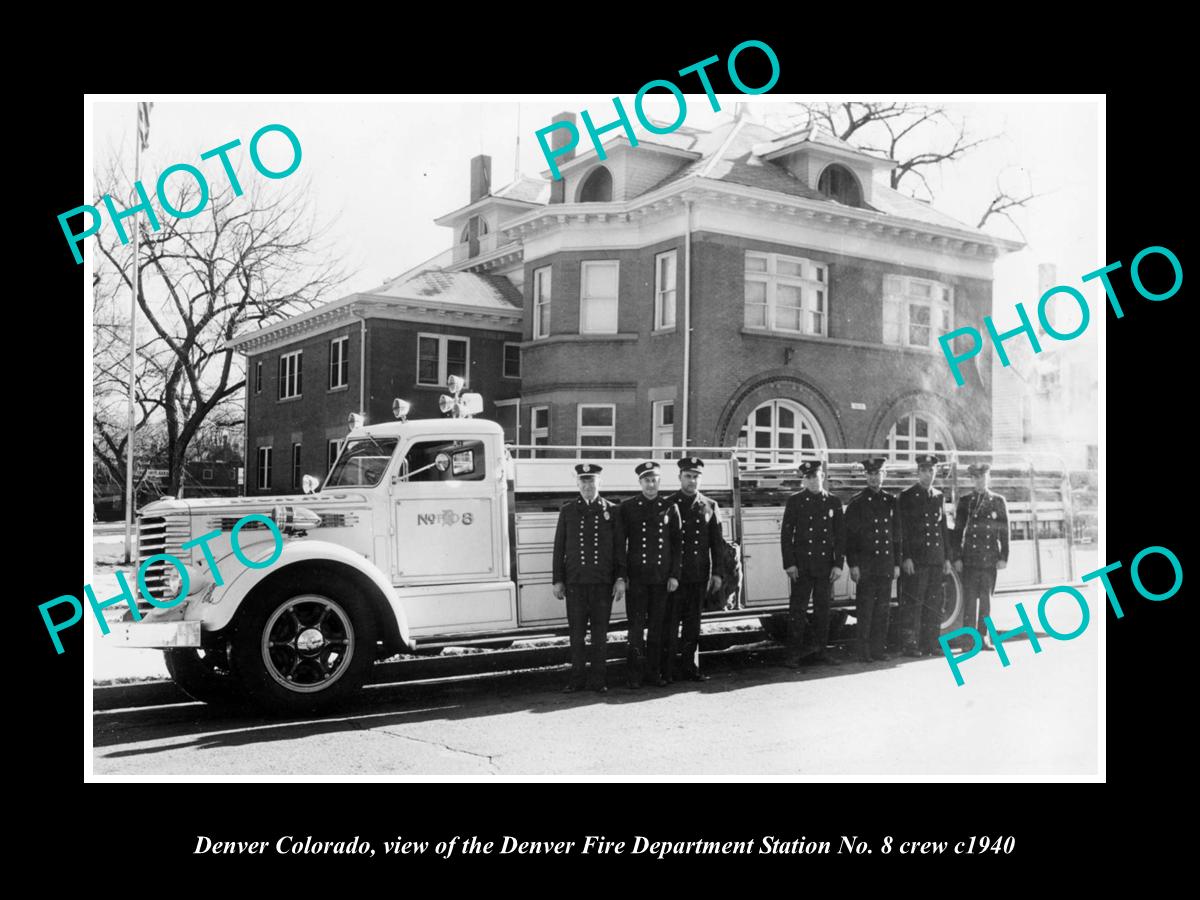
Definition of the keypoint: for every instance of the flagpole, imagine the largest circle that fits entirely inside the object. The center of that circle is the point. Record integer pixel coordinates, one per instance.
(137, 160)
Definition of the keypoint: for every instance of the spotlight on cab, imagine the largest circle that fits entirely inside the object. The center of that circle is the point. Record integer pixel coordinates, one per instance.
(400, 409)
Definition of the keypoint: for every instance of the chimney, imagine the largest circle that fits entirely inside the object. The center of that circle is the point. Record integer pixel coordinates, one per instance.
(481, 177)
(558, 137)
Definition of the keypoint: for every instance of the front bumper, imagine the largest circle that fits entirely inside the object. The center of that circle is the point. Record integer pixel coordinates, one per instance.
(155, 635)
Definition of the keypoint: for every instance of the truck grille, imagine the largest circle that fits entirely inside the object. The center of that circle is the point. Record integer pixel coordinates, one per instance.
(160, 534)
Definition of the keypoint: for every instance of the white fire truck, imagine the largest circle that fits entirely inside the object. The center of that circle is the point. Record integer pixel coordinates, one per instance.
(427, 533)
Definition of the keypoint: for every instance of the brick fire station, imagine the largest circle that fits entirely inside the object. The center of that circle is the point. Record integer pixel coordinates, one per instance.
(734, 287)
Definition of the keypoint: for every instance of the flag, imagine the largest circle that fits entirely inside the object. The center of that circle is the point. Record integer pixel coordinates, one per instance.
(143, 125)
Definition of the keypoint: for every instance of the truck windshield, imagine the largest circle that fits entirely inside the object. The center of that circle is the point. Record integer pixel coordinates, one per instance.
(362, 463)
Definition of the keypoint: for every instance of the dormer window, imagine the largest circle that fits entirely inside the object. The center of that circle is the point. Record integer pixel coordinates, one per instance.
(597, 187)
(838, 183)
(480, 225)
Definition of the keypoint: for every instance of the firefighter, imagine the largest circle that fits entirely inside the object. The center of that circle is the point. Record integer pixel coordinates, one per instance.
(589, 571)
(925, 551)
(980, 547)
(653, 555)
(873, 552)
(813, 544)
(700, 571)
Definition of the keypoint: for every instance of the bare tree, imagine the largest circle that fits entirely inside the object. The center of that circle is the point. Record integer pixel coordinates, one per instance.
(920, 137)
(243, 261)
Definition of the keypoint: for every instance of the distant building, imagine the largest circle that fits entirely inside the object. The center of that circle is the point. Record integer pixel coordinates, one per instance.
(1046, 402)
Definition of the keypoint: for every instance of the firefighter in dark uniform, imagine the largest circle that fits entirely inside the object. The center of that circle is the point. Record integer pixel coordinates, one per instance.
(653, 557)
(925, 551)
(873, 552)
(589, 570)
(980, 547)
(813, 543)
(700, 571)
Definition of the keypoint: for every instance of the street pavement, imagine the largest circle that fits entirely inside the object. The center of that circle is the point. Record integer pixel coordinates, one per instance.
(754, 719)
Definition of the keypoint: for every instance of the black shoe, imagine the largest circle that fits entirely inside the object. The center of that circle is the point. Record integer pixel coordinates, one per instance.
(792, 663)
(571, 688)
(881, 657)
(633, 685)
(987, 646)
(912, 651)
(602, 689)
(663, 682)
(697, 676)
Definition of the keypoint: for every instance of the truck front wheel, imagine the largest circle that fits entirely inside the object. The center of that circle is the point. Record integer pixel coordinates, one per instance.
(304, 646)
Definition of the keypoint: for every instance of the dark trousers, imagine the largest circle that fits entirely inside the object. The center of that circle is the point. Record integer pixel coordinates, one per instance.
(646, 608)
(921, 607)
(873, 609)
(588, 603)
(978, 582)
(820, 589)
(683, 615)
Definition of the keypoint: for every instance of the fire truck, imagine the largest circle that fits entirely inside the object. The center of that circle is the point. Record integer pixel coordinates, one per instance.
(433, 532)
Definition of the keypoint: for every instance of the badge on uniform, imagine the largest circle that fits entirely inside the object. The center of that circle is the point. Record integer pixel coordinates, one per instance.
(666, 518)
(995, 515)
(606, 515)
(831, 513)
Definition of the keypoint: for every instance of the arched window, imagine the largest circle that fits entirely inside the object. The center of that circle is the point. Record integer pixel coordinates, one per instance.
(466, 232)
(917, 433)
(597, 187)
(779, 433)
(838, 183)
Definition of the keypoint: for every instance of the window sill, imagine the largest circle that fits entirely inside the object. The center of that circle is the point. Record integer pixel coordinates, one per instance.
(791, 337)
(661, 331)
(290, 399)
(340, 387)
(580, 338)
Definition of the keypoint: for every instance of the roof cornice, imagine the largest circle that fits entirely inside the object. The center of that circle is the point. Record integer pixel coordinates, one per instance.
(698, 188)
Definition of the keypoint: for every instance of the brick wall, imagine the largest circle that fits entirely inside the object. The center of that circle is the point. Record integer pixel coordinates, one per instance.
(733, 371)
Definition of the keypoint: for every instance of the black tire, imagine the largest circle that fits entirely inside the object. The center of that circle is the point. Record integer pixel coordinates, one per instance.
(303, 644)
(203, 675)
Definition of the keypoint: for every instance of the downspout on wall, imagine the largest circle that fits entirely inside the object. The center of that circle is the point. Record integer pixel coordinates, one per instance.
(362, 365)
(687, 321)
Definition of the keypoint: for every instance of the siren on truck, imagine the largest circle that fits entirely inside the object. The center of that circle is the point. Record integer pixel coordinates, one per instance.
(460, 407)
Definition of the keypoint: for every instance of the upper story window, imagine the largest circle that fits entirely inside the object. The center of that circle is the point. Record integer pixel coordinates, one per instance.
(786, 293)
(598, 297)
(541, 303)
(258, 377)
(838, 183)
(439, 357)
(663, 436)
(291, 371)
(664, 290)
(916, 311)
(597, 187)
(339, 362)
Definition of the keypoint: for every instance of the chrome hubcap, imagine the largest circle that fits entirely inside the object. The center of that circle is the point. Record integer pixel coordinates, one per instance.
(307, 643)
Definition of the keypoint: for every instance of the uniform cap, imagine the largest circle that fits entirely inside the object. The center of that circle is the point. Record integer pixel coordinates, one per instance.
(645, 467)
(691, 464)
(979, 468)
(811, 467)
(927, 460)
(874, 463)
(588, 469)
